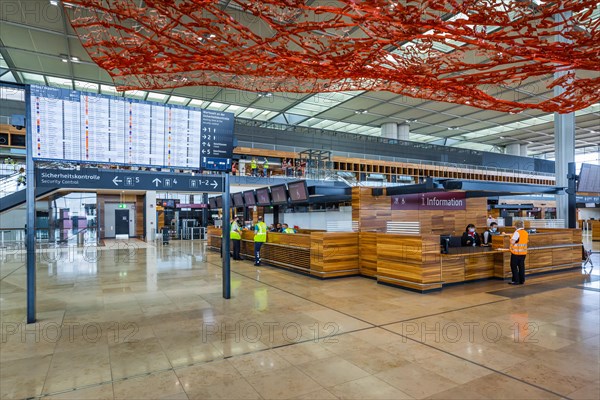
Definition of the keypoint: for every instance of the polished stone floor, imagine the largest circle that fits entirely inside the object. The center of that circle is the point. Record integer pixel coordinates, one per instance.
(135, 321)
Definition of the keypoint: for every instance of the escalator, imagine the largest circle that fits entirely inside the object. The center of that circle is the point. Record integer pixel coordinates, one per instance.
(12, 195)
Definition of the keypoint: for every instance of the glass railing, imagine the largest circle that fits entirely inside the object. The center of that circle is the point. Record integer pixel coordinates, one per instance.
(9, 184)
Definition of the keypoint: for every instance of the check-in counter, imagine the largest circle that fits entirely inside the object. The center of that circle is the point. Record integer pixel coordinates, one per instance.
(318, 253)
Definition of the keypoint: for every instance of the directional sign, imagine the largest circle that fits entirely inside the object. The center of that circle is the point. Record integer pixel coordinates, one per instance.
(216, 164)
(91, 178)
(217, 140)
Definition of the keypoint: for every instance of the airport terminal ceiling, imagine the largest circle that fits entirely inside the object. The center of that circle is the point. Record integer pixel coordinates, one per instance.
(39, 45)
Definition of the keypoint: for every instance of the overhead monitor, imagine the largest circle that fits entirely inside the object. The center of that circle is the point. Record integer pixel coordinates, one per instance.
(279, 194)
(212, 203)
(262, 197)
(298, 191)
(589, 178)
(219, 201)
(249, 198)
(238, 199)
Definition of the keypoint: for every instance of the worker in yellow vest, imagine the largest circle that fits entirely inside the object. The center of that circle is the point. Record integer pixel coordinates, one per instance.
(236, 238)
(518, 252)
(254, 167)
(266, 168)
(287, 229)
(260, 236)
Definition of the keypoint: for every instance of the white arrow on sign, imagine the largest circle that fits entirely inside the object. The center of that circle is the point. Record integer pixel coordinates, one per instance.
(204, 129)
(215, 184)
(156, 181)
(116, 180)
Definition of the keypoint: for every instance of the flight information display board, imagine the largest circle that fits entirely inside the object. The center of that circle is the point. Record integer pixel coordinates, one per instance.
(93, 128)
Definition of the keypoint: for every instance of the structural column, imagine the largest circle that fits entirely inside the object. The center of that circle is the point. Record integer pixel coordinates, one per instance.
(564, 137)
(513, 149)
(150, 215)
(392, 130)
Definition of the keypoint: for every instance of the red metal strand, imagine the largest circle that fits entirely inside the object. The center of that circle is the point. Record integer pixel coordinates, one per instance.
(491, 54)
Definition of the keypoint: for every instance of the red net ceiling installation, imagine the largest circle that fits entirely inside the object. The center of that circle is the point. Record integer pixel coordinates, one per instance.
(505, 55)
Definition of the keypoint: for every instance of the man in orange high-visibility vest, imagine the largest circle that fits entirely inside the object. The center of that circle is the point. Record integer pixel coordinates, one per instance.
(518, 252)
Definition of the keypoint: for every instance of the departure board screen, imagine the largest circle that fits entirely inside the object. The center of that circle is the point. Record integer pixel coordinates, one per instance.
(94, 128)
(589, 178)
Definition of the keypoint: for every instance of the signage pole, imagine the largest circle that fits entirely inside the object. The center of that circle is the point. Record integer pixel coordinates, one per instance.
(225, 240)
(30, 205)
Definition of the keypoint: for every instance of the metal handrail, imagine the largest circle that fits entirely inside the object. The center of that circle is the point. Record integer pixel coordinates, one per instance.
(9, 184)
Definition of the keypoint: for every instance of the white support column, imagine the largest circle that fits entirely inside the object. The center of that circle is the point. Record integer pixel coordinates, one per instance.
(564, 137)
(389, 130)
(523, 149)
(150, 213)
(403, 131)
(513, 149)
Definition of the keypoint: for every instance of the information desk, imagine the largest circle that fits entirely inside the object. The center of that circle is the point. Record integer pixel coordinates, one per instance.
(415, 261)
(547, 250)
(318, 253)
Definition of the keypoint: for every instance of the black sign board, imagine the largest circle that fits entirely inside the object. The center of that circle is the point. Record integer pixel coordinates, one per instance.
(91, 178)
(217, 140)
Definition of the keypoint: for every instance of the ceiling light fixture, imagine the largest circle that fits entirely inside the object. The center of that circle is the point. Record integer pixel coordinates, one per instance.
(453, 128)
(264, 94)
(74, 59)
(360, 111)
(408, 121)
(53, 2)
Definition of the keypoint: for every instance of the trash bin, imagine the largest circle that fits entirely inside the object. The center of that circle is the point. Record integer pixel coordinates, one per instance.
(165, 235)
(80, 238)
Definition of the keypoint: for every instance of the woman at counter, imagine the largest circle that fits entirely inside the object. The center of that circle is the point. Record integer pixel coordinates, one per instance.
(470, 237)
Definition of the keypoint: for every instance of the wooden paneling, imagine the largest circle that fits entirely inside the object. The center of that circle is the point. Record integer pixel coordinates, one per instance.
(334, 254)
(479, 266)
(410, 261)
(368, 253)
(453, 269)
(373, 213)
(139, 215)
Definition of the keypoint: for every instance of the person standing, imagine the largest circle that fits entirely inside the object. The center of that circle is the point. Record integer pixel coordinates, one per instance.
(266, 168)
(254, 167)
(260, 237)
(518, 252)
(236, 238)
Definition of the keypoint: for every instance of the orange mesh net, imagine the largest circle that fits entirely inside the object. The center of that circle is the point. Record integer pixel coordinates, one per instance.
(505, 55)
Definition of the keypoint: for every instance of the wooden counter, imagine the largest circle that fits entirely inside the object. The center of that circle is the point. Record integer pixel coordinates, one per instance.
(318, 253)
(410, 261)
(548, 250)
(595, 226)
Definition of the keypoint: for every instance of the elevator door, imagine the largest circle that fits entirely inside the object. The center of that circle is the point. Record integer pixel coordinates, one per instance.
(122, 222)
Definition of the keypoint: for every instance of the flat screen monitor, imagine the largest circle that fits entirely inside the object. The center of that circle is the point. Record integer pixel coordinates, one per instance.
(279, 194)
(212, 203)
(262, 197)
(219, 201)
(298, 191)
(238, 199)
(589, 178)
(249, 198)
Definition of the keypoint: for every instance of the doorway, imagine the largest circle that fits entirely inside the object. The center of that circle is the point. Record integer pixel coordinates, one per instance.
(122, 222)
